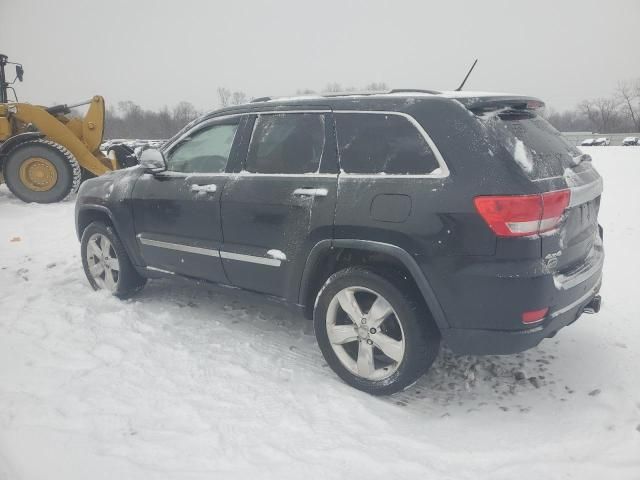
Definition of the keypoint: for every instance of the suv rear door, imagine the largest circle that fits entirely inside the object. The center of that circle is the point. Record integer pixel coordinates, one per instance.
(282, 201)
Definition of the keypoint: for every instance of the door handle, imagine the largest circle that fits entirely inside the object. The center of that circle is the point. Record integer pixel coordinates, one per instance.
(211, 188)
(311, 192)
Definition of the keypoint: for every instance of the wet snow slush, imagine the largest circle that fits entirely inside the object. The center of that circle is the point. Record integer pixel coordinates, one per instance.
(193, 381)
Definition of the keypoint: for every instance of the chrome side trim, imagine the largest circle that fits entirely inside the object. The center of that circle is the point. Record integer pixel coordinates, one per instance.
(209, 188)
(311, 192)
(155, 269)
(443, 168)
(261, 112)
(245, 173)
(272, 262)
(179, 247)
(572, 305)
(585, 193)
(276, 112)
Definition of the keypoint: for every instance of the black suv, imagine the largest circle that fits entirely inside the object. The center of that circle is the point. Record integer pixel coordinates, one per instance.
(393, 220)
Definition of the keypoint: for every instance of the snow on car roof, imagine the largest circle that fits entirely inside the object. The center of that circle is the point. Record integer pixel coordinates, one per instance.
(393, 93)
(353, 94)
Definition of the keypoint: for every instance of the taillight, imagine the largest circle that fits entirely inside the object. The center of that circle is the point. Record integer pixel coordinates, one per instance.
(522, 215)
(534, 316)
(553, 206)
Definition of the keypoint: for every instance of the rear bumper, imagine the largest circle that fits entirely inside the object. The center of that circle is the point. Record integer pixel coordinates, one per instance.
(504, 342)
(484, 302)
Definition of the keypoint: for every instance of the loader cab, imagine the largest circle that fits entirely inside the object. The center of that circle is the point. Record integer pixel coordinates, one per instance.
(4, 85)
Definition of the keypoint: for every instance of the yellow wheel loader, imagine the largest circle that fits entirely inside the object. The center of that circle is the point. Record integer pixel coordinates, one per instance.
(46, 152)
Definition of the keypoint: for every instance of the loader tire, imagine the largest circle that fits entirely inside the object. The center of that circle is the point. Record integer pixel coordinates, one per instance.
(41, 171)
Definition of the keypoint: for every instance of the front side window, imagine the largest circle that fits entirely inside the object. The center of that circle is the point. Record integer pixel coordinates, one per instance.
(205, 151)
(286, 143)
(382, 143)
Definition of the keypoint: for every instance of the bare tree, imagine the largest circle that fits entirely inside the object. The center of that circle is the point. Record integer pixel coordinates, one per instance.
(333, 87)
(224, 95)
(628, 94)
(183, 113)
(568, 121)
(601, 112)
(238, 98)
(377, 87)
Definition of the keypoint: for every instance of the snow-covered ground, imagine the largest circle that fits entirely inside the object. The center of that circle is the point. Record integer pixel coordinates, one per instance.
(192, 381)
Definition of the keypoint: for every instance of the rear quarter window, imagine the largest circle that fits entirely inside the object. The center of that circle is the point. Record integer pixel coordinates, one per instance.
(379, 143)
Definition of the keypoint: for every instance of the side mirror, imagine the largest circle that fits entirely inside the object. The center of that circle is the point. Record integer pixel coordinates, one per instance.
(153, 161)
(19, 72)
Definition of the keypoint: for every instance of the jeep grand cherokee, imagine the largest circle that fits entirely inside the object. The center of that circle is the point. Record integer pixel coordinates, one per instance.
(395, 221)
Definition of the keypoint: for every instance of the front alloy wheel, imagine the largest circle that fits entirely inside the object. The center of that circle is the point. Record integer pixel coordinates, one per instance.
(106, 263)
(103, 263)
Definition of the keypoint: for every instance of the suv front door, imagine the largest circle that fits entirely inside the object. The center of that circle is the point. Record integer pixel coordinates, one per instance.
(177, 212)
(282, 202)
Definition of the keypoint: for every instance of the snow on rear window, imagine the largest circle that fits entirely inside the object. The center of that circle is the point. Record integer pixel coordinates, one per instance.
(522, 157)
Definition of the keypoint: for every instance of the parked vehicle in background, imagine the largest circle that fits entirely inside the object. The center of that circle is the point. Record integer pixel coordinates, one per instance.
(587, 142)
(132, 144)
(631, 141)
(601, 142)
(374, 214)
(45, 153)
(130, 149)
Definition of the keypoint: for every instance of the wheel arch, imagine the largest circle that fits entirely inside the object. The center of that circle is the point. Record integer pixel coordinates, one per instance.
(91, 213)
(324, 256)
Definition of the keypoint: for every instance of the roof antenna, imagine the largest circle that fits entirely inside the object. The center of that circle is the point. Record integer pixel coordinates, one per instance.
(465, 78)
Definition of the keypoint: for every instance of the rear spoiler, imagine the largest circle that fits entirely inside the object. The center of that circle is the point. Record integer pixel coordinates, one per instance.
(491, 103)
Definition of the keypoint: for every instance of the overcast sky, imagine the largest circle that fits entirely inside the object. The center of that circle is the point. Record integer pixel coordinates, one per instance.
(157, 53)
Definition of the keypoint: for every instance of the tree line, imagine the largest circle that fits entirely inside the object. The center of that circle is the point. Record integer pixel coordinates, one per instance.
(617, 113)
(130, 120)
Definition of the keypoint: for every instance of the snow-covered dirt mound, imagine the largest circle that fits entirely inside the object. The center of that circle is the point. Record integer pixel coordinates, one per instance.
(194, 381)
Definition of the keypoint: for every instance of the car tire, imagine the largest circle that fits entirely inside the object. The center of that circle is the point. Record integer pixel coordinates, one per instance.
(106, 263)
(41, 171)
(378, 358)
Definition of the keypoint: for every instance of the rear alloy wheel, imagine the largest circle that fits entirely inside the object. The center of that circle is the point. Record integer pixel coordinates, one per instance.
(41, 171)
(106, 263)
(374, 330)
(370, 345)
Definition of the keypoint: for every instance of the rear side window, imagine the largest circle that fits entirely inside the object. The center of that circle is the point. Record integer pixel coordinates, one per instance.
(286, 143)
(382, 143)
(538, 148)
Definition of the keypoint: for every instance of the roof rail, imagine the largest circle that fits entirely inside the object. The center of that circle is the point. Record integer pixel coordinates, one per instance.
(352, 93)
(413, 90)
